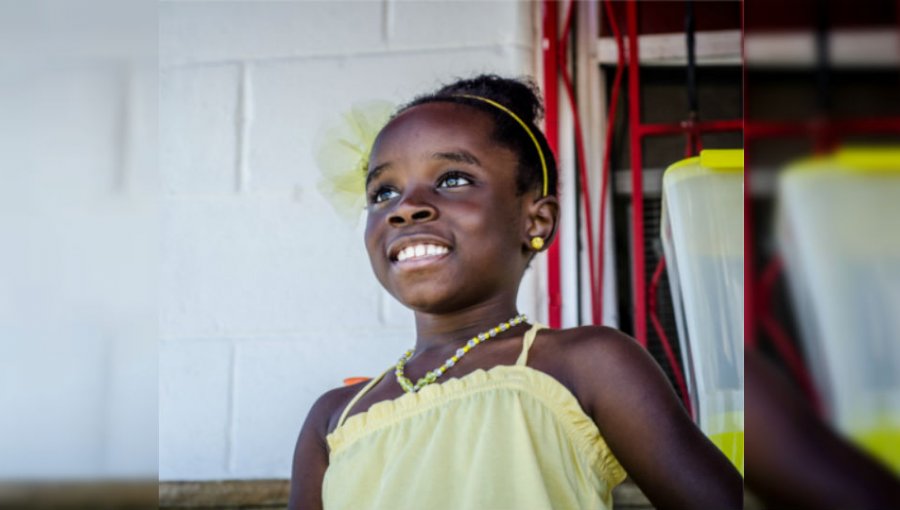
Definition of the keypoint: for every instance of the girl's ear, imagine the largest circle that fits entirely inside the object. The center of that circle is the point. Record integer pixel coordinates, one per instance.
(543, 218)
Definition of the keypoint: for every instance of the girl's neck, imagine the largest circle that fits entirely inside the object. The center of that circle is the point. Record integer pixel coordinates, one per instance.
(445, 331)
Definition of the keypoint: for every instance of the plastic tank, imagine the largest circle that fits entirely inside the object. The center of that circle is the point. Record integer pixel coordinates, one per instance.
(702, 228)
(839, 235)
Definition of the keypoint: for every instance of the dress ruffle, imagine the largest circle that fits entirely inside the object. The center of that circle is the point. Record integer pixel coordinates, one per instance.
(532, 383)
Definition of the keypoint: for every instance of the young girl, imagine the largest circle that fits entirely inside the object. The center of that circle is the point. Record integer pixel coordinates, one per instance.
(489, 411)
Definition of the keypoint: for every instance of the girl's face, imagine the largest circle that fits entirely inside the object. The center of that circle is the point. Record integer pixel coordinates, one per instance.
(445, 227)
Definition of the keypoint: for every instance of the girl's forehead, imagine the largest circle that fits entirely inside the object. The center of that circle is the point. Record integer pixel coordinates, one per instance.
(426, 131)
(438, 122)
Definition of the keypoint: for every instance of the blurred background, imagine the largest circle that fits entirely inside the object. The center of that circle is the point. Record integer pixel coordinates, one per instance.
(80, 258)
(822, 132)
(177, 291)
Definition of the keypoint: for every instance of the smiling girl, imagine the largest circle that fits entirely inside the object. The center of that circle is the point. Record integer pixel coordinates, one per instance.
(489, 411)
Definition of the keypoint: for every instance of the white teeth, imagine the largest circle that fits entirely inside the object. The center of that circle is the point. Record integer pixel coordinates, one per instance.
(421, 250)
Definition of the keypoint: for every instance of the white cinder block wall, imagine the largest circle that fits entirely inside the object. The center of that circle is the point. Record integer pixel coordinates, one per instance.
(78, 258)
(266, 296)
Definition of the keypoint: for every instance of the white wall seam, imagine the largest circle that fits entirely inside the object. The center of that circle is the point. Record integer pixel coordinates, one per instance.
(382, 52)
(388, 13)
(244, 120)
(231, 410)
(124, 131)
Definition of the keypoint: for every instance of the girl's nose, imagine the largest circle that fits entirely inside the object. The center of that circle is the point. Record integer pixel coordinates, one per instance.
(412, 209)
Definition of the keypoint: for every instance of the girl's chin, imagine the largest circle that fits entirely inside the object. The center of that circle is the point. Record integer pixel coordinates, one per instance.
(428, 302)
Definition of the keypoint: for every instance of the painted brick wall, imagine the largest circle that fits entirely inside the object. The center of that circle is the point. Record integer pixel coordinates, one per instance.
(78, 259)
(266, 296)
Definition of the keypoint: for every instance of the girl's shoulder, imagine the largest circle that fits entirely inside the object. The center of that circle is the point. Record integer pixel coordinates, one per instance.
(601, 366)
(586, 336)
(585, 345)
(328, 407)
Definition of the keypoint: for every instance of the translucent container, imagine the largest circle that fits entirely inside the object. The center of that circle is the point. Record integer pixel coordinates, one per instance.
(839, 234)
(702, 230)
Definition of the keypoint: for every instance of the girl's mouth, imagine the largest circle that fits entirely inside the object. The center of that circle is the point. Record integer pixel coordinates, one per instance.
(420, 254)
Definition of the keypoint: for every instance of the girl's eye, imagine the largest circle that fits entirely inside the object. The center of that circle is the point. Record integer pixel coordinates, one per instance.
(454, 180)
(382, 195)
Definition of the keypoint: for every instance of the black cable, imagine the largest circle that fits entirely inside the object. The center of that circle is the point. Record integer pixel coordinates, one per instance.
(689, 32)
(822, 64)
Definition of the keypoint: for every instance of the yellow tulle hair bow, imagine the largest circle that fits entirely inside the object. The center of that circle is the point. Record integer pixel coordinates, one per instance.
(343, 152)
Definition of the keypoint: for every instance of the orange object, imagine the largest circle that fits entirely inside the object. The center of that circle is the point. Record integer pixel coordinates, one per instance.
(349, 381)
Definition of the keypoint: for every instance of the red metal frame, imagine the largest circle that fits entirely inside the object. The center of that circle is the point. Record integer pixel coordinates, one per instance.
(824, 133)
(667, 348)
(764, 289)
(549, 23)
(749, 266)
(690, 128)
(637, 178)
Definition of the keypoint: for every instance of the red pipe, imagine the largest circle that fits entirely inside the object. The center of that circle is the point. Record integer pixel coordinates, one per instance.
(841, 127)
(582, 170)
(865, 125)
(664, 340)
(551, 131)
(759, 129)
(637, 184)
(688, 127)
(780, 339)
(749, 265)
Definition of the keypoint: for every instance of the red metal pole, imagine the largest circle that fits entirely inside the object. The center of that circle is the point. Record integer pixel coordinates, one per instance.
(637, 184)
(550, 23)
(664, 339)
(749, 249)
(779, 338)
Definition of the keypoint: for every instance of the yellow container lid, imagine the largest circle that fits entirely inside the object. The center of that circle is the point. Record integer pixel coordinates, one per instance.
(857, 159)
(723, 159)
(709, 161)
(870, 159)
(714, 159)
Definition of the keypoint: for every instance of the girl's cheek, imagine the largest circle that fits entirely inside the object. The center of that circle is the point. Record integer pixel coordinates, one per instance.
(371, 236)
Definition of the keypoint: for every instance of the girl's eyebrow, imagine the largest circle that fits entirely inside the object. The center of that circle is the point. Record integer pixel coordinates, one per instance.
(460, 156)
(376, 172)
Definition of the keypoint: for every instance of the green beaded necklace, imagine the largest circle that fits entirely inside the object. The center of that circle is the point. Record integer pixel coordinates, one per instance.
(432, 376)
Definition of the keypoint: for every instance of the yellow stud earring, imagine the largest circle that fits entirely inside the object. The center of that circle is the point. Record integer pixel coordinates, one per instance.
(537, 243)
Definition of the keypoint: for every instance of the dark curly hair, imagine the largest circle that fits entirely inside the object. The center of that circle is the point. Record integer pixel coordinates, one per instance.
(523, 98)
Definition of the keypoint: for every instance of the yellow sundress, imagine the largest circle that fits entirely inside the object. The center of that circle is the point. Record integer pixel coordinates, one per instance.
(511, 437)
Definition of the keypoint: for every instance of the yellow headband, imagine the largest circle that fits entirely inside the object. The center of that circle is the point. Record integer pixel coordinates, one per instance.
(521, 123)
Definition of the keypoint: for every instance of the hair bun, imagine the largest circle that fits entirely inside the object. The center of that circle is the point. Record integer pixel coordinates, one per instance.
(519, 95)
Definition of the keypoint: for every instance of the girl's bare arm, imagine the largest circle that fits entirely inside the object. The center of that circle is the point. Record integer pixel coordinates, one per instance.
(311, 452)
(797, 460)
(646, 426)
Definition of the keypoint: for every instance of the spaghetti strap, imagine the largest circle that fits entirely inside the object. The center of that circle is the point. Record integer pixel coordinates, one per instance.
(527, 341)
(358, 396)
